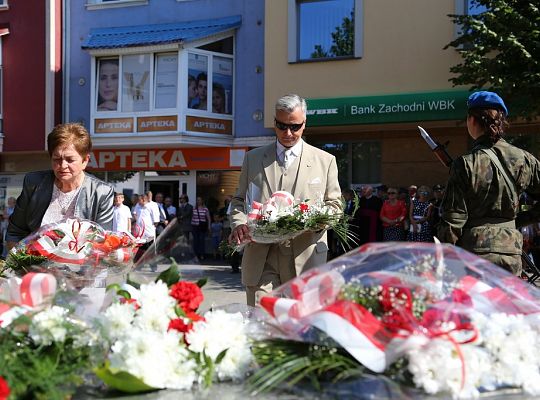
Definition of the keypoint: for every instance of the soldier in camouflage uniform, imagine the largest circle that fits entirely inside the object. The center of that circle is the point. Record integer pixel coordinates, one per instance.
(481, 202)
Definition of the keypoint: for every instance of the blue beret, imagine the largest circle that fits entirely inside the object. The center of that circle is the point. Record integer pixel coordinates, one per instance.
(484, 99)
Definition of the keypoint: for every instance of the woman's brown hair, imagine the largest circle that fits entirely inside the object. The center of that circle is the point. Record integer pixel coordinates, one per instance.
(493, 122)
(70, 133)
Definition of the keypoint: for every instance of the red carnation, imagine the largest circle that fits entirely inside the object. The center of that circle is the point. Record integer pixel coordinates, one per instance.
(123, 300)
(188, 295)
(179, 325)
(304, 207)
(4, 389)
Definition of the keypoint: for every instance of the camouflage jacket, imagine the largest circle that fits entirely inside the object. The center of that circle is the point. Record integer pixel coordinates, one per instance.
(479, 208)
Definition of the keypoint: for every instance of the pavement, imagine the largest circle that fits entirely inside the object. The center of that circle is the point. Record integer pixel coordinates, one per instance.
(222, 287)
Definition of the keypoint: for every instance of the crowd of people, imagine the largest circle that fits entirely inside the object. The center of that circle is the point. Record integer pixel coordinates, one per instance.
(149, 215)
(392, 214)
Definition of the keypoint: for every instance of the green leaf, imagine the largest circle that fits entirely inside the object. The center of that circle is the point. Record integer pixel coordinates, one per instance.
(122, 381)
(171, 275)
(221, 356)
(124, 293)
(113, 286)
(201, 282)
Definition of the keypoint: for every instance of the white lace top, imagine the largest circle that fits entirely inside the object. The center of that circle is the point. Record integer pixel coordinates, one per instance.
(62, 206)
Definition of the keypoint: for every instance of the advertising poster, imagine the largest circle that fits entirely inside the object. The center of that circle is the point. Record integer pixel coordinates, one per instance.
(222, 88)
(197, 96)
(107, 85)
(136, 83)
(166, 80)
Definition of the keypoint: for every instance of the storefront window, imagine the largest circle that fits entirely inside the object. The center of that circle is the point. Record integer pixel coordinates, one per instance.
(222, 85)
(341, 152)
(136, 84)
(197, 81)
(107, 84)
(166, 80)
(366, 162)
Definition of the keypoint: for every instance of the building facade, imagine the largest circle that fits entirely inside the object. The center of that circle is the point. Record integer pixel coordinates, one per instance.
(372, 71)
(30, 87)
(170, 90)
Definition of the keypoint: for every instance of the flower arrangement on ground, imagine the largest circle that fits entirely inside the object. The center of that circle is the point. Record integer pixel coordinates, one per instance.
(428, 316)
(158, 340)
(44, 351)
(281, 218)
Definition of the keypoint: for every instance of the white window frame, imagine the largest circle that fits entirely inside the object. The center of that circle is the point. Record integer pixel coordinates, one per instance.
(293, 39)
(181, 110)
(4, 5)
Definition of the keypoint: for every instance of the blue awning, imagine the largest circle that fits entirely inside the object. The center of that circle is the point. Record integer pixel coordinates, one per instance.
(147, 35)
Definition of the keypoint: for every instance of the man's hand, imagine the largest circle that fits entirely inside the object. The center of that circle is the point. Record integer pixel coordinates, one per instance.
(240, 234)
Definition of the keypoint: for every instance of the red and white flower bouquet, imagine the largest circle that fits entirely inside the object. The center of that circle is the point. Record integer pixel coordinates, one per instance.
(282, 218)
(428, 316)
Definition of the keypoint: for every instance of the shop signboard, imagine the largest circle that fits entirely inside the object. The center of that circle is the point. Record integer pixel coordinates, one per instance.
(209, 125)
(173, 159)
(157, 124)
(113, 125)
(407, 107)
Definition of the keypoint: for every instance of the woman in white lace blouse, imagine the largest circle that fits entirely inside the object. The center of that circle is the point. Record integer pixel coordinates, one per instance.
(66, 191)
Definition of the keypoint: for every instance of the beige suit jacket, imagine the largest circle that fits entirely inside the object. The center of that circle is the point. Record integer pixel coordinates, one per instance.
(317, 176)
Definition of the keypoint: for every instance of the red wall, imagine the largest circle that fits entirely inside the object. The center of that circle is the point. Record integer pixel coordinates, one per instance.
(23, 53)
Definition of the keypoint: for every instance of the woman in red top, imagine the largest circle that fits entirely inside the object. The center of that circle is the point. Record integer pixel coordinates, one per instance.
(392, 215)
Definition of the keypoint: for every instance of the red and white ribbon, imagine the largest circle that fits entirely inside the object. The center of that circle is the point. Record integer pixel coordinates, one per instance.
(23, 294)
(279, 200)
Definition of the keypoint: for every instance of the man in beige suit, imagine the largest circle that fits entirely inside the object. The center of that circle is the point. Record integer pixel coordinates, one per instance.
(292, 165)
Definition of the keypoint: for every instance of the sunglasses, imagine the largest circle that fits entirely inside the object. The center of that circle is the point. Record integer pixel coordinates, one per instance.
(283, 126)
(392, 192)
(424, 193)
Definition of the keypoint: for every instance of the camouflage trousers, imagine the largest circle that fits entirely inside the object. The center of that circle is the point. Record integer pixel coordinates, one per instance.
(510, 262)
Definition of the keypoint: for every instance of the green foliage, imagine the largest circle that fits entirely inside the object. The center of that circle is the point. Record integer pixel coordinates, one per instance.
(171, 275)
(41, 372)
(120, 380)
(342, 39)
(288, 362)
(19, 262)
(501, 52)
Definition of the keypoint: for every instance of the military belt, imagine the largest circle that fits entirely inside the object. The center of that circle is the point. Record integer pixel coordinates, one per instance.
(490, 222)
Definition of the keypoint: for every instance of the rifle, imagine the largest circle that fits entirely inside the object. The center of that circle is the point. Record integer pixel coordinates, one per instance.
(442, 154)
(437, 148)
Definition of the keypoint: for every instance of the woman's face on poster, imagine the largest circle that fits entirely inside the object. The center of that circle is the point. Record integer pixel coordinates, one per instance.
(192, 89)
(218, 102)
(108, 82)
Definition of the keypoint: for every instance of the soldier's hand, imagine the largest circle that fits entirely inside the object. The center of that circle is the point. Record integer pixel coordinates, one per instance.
(240, 234)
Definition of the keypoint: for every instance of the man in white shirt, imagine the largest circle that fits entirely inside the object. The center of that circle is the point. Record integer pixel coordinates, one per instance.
(121, 215)
(163, 216)
(146, 224)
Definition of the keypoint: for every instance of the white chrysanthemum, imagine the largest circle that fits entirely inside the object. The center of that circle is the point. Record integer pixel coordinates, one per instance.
(155, 296)
(117, 320)
(222, 331)
(514, 348)
(437, 367)
(158, 359)
(49, 326)
(154, 319)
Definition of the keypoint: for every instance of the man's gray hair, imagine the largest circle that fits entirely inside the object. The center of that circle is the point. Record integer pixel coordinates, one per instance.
(291, 102)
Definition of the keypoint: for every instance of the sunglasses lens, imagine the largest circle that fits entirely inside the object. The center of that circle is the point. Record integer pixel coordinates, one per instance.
(293, 127)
